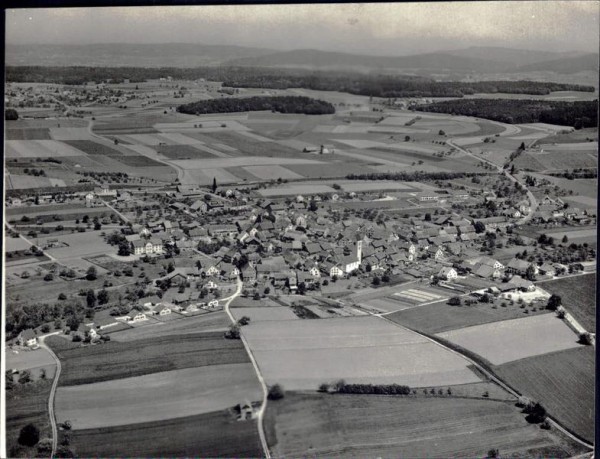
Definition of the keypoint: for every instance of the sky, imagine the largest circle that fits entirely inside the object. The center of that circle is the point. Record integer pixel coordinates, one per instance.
(383, 28)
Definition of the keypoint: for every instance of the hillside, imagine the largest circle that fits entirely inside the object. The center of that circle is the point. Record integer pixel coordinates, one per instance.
(564, 65)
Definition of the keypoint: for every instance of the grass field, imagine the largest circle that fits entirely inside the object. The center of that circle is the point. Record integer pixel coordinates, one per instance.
(93, 148)
(272, 172)
(115, 360)
(182, 152)
(579, 297)
(261, 314)
(24, 405)
(563, 382)
(173, 394)
(33, 360)
(440, 317)
(216, 321)
(323, 425)
(301, 354)
(217, 434)
(39, 149)
(515, 339)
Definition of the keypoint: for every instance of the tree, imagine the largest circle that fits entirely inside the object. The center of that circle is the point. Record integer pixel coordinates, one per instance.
(48, 277)
(554, 302)
(62, 296)
(427, 217)
(454, 301)
(91, 274)
(479, 227)
(103, 296)
(73, 323)
(29, 435)
(90, 298)
(530, 273)
(276, 392)
(257, 296)
(565, 239)
(376, 280)
(245, 320)
(24, 377)
(214, 185)
(10, 114)
(441, 132)
(585, 338)
(233, 332)
(493, 453)
(324, 387)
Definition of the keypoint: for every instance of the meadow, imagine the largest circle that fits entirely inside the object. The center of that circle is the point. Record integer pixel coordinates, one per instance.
(301, 354)
(508, 340)
(118, 360)
(173, 394)
(578, 296)
(324, 425)
(563, 382)
(220, 435)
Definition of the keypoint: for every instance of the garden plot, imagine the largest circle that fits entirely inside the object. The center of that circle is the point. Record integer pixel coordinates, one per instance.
(301, 354)
(515, 339)
(157, 396)
(272, 172)
(418, 296)
(261, 314)
(39, 149)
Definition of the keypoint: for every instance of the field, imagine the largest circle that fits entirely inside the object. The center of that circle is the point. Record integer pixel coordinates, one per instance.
(114, 360)
(25, 405)
(217, 434)
(555, 160)
(405, 298)
(515, 339)
(579, 297)
(301, 354)
(28, 134)
(39, 149)
(377, 426)
(174, 394)
(261, 314)
(440, 317)
(563, 382)
(216, 321)
(32, 360)
(183, 152)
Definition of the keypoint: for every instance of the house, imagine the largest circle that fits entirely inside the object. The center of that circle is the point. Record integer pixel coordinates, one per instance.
(211, 285)
(135, 316)
(248, 273)
(27, 338)
(147, 247)
(517, 266)
(436, 252)
(447, 273)
(213, 304)
(162, 310)
(547, 269)
(486, 271)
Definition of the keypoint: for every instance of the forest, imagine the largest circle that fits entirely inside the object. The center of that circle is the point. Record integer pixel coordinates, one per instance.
(581, 114)
(375, 85)
(279, 104)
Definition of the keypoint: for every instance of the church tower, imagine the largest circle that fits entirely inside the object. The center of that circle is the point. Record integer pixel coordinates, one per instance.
(359, 251)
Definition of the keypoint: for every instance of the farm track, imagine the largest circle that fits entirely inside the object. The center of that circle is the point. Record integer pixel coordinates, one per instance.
(492, 377)
(263, 406)
(52, 395)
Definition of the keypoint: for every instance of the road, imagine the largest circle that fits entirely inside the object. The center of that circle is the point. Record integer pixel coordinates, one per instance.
(263, 406)
(52, 393)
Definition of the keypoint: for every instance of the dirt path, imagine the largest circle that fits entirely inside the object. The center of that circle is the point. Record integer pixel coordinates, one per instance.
(263, 406)
(52, 394)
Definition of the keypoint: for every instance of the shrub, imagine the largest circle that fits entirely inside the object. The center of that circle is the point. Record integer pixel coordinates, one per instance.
(324, 387)
(454, 301)
(245, 320)
(276, 392)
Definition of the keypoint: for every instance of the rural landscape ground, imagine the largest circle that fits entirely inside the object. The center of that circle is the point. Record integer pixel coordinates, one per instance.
(228, 267)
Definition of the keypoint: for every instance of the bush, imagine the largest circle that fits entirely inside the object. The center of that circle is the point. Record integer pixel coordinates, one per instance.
(324, 387)
(29, 435)
(48, 277)
(276, 392)
(454, 301)
(24, 377)
(233, 332)
(44, 447)
(245, 320)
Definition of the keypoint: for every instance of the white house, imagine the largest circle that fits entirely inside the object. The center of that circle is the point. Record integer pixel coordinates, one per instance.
(27, 338)
(448, 273)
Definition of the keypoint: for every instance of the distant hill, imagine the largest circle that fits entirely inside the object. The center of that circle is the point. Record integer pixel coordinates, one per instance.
(124, 54)
(564, 65)
(512, 57)
(335, 60)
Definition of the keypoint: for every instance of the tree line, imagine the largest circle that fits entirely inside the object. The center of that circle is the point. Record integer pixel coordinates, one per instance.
(387, 86)
(580, 114)
(280, 104)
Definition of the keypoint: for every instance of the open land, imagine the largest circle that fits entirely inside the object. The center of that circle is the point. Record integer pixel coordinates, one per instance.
(578, 297)
(318, 425)
(302, 354)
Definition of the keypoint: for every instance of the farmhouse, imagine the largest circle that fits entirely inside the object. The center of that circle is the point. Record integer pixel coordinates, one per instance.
(149, 247)
(447, 273)
(27, 338)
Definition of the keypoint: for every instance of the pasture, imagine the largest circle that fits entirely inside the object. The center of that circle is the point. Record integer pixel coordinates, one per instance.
(220, 435)
(578, 296)
(440, 317)
(504, 341)
(118, 360)
(32, 360)
(27, 134)
(39, 149)
(26, 404)
(301, 354)
(563, 382)
(183, 393)
(324, 425)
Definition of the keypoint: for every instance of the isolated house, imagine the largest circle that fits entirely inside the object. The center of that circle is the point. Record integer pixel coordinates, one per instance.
(27, 338)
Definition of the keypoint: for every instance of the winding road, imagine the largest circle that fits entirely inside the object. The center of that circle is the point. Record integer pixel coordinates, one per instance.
(52, 393)
(263, 406)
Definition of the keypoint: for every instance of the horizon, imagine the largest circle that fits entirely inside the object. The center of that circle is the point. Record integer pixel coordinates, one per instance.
(380, 29)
